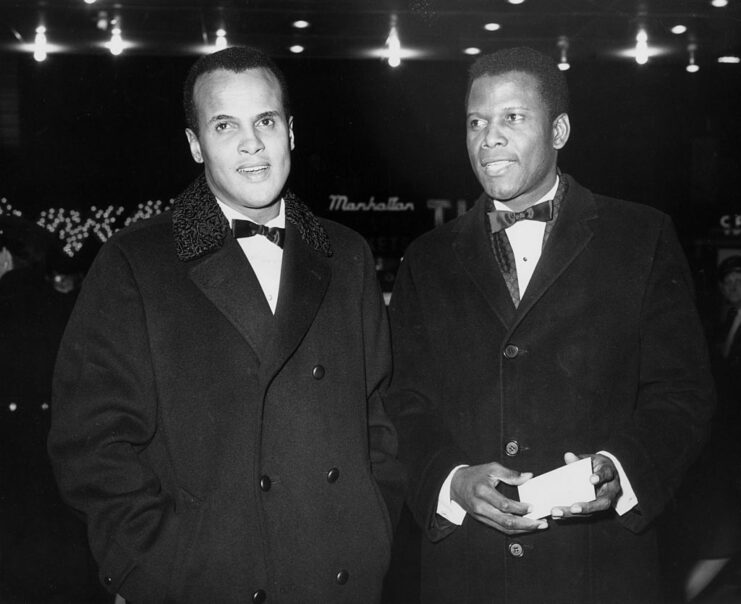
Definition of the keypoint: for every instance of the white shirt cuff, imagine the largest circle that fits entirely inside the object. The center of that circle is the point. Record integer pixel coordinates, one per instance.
(627, 499)
(446, 507)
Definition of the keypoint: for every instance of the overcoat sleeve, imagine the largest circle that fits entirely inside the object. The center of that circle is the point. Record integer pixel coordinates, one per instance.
(104, 412)
(383, 442)
(427, 449)
(675, 397)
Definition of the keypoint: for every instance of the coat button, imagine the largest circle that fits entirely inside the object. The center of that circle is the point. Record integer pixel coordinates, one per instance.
(343, 576)
(511, 351)
(333, 475)
(318, 372)
(516, 550)
(107, 580)
(259, 596)
(265, 484)
(512, 448)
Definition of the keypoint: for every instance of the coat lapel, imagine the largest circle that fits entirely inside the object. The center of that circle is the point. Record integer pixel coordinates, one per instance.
(305, 276)
(227, 279)
(570, 236)
(220, 270)
(473, 250)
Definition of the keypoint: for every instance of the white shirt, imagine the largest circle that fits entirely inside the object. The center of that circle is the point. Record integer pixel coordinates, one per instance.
(526, 239)
(265, 257)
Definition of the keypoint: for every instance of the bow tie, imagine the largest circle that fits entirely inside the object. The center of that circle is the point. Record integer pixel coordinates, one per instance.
(247, 228)
(501, 219)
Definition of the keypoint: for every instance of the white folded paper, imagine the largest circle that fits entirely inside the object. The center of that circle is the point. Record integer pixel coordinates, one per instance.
(558, 488)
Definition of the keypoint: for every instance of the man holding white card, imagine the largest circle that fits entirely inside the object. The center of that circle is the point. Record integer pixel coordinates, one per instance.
(546, 326)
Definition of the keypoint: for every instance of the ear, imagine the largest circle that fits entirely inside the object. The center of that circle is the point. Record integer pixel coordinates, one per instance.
(561, 131)
(290, 133)
(195, 146)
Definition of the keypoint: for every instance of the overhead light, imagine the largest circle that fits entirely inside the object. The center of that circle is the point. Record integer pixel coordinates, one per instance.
(116, 45)
(301, 24)
(492, 26)
(729, 59)
(40, 47)
(220, 43)
(515, 1)
(393, 44)
(296, 49)
(692, 67)
(719, 3)
(641, 47)
(563, 46)
(471, 50)
(90, 1)
(679, 29)
(102, 21)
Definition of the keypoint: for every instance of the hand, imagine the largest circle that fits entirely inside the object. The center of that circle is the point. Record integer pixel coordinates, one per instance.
(475, 489)
(606, 482)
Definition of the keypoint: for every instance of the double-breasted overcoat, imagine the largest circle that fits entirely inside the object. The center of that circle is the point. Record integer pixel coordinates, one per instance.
(218, 452)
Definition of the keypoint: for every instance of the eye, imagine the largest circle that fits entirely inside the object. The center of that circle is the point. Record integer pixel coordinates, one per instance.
(476, 123)
(514, 117)
(266, 122)
(221, 126)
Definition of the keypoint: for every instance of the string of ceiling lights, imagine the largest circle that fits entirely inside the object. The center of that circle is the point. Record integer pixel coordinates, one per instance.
(393, 51)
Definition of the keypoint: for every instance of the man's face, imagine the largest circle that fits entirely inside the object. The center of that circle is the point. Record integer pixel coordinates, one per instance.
(731, 288)
(512, 142)
(244, 139)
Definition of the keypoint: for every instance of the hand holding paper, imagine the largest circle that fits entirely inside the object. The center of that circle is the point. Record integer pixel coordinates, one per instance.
(558, 488)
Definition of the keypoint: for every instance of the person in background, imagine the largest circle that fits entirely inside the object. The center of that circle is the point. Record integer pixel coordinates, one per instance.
(546, 325)
(43, 549)
(218, 414)
(714, 482)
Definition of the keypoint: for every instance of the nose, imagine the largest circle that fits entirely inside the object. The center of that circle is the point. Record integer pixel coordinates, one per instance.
(250, 142)
(493, 137)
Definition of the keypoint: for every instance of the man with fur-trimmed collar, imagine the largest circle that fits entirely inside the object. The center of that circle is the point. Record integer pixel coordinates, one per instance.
(218, 414)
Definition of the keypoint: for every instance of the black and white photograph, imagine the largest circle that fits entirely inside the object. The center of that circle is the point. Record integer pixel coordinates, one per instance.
(370, 301)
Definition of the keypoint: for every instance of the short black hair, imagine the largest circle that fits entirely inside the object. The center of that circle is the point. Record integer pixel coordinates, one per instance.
(236, 59)
(552, 82)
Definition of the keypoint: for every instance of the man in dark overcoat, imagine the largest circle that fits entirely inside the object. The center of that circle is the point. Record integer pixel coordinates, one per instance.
(545, 325)
(217, 411)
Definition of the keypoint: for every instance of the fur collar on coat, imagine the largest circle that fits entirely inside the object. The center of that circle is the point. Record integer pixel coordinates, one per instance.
(200, 227)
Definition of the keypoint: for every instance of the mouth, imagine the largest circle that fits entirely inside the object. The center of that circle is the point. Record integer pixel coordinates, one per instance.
(254, 171)
(497, 166)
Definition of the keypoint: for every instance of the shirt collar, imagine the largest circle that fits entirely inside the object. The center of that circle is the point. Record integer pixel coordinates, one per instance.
(549, 195)
(231, 214)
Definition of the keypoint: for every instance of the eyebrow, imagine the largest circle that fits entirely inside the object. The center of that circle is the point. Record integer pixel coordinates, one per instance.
(260, 116)
(220, 117)
(508, 108)
(265, 114)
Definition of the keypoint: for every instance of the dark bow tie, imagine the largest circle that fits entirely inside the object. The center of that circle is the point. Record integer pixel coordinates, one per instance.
(501, 219)
(247, 228)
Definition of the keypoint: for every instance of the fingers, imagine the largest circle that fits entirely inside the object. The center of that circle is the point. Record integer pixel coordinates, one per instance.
(570, 457)
(474, 489)
(603, 470)
(509, 523)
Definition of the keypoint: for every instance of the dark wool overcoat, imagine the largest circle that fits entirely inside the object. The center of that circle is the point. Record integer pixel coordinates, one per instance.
(604, 352)
(221, 453)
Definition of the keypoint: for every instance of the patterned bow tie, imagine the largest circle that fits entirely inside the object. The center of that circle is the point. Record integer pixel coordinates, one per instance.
(501, 219)
(247, 228)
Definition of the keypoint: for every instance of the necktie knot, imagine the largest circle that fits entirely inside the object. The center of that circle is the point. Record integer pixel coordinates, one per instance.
(247, 228)
(501, 219)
